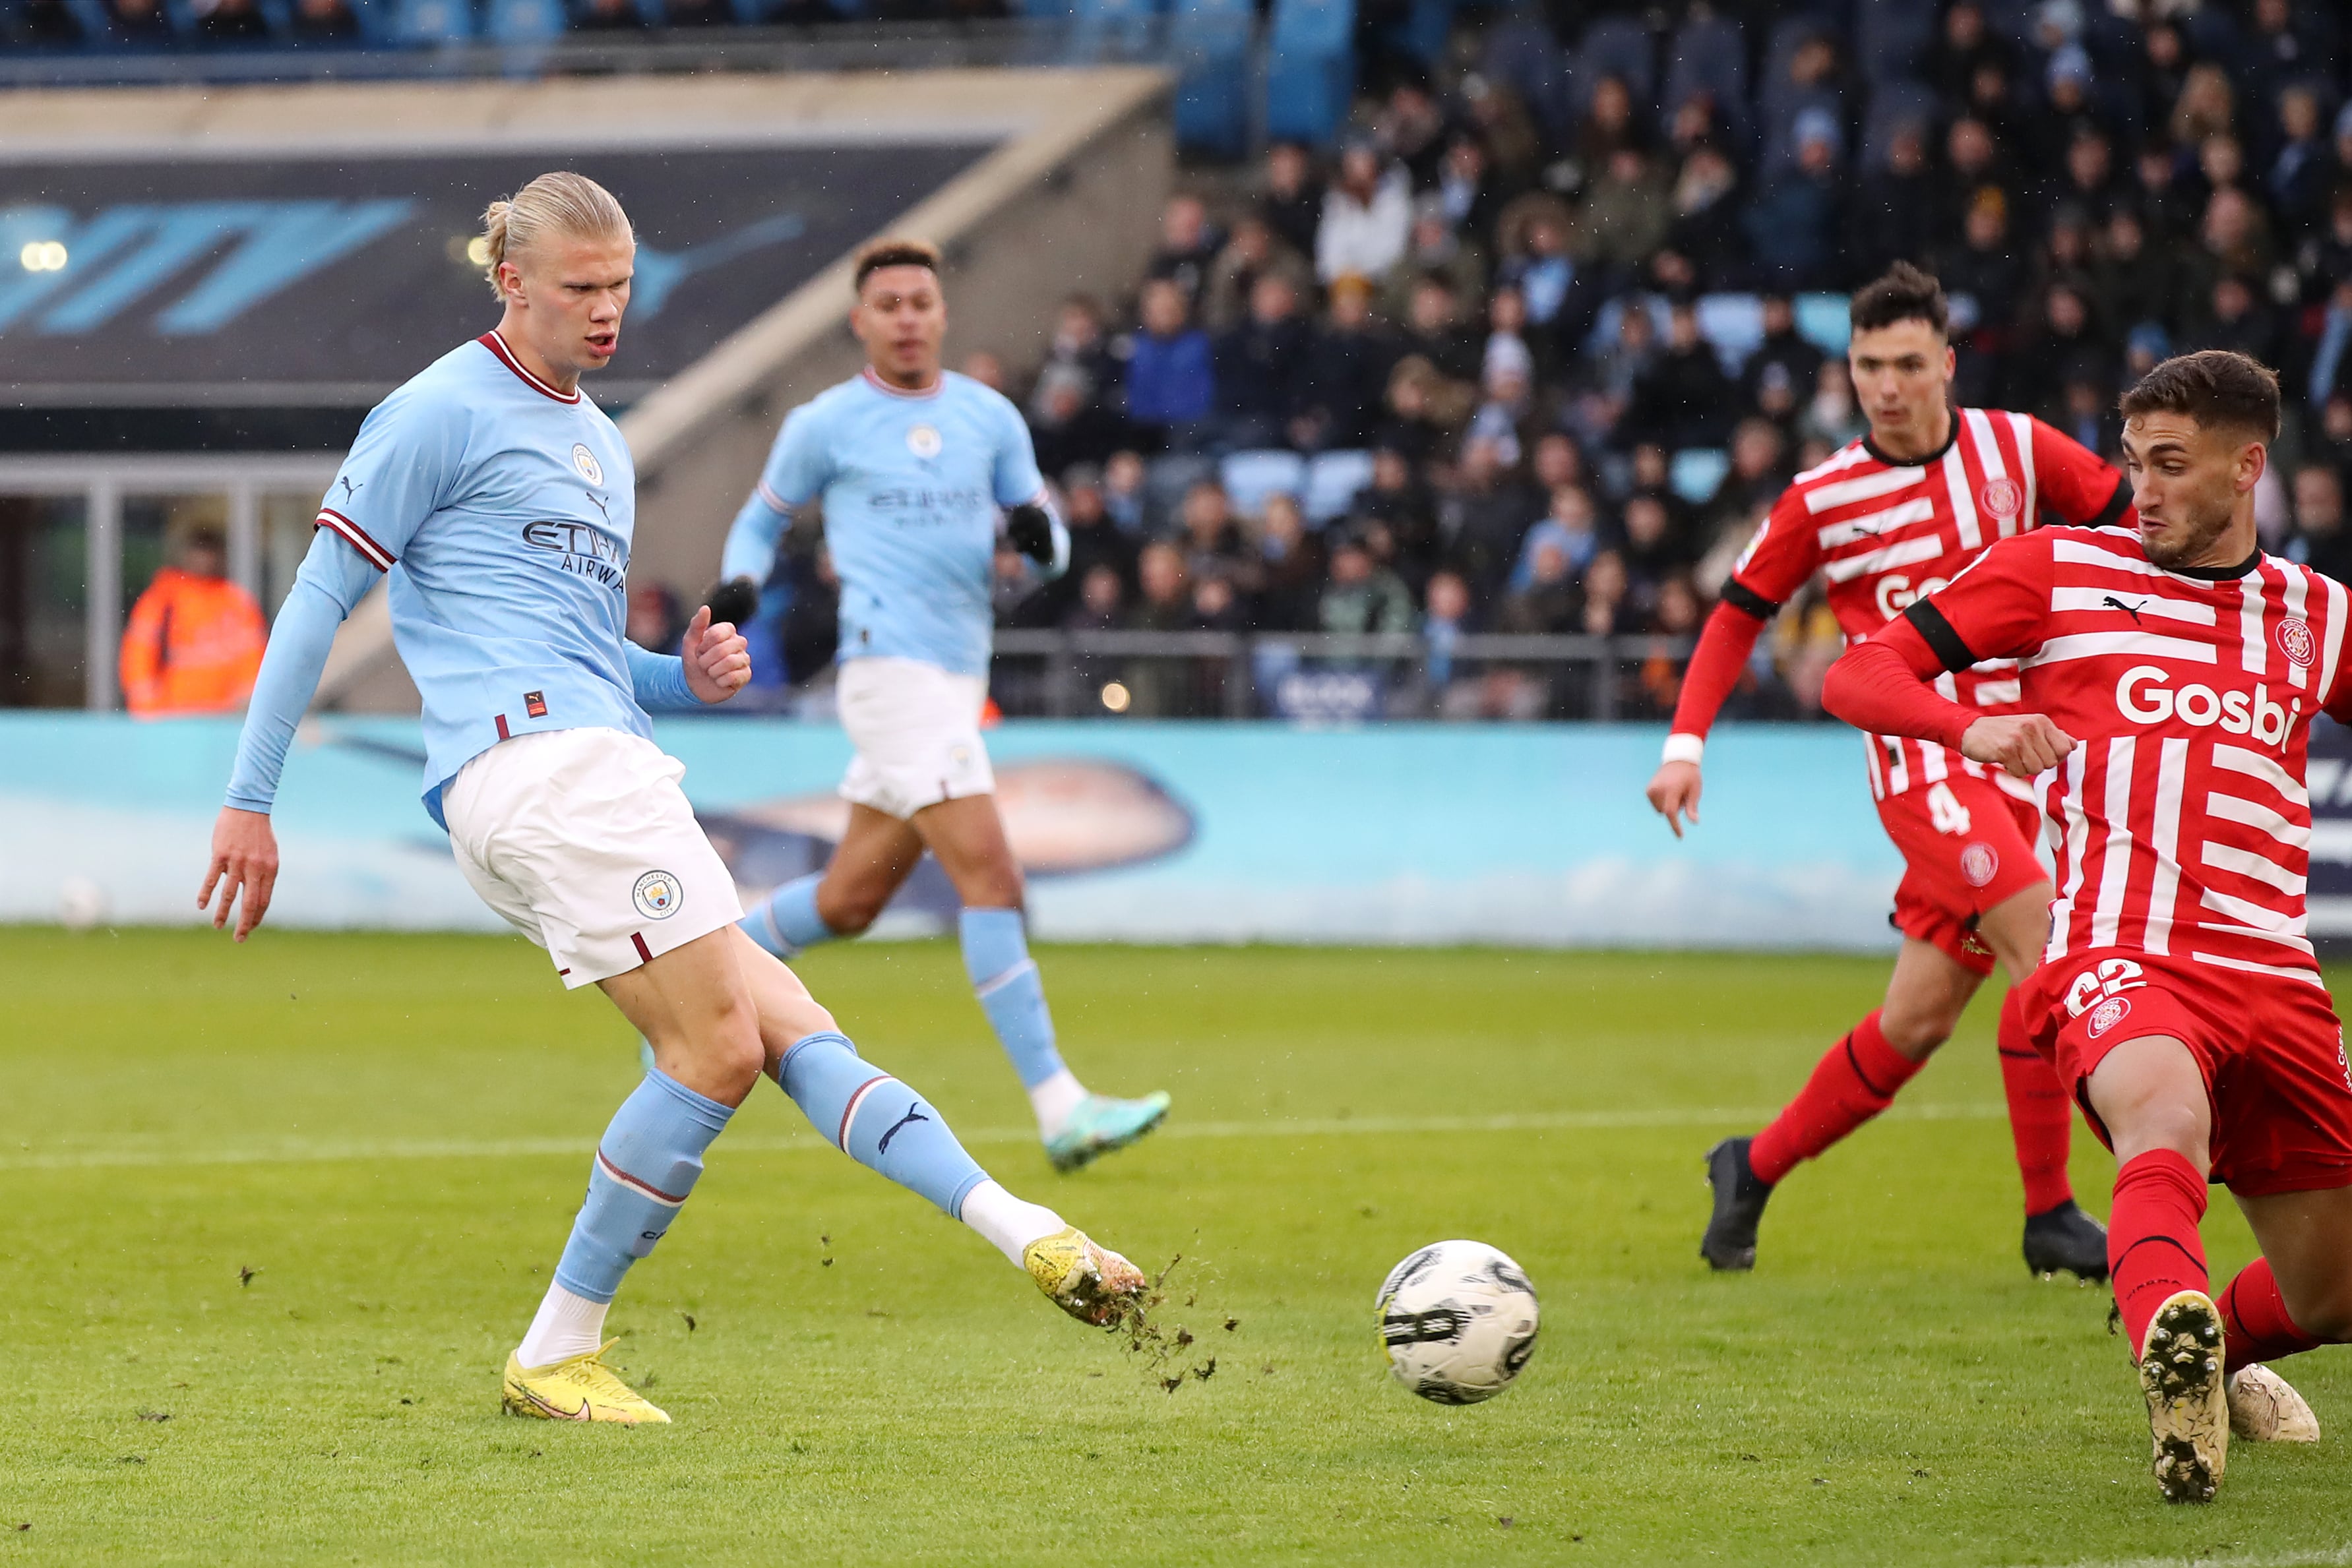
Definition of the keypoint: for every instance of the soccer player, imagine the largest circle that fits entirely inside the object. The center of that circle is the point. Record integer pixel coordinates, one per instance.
(912, 464)
(1890, 517)
(2171, 671)
(501, 503)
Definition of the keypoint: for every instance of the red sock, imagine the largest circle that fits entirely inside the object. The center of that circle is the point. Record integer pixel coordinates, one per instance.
(2040, 1118)
(2153, 1247)
(2254, 1324)
(1852, 1084)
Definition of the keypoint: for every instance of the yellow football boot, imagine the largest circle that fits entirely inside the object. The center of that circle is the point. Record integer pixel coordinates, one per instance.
(1092, 1283)
(580, 1388)
(2187, 1398)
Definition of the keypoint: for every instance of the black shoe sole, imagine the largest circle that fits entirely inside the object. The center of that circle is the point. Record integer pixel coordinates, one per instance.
(2067, 1241)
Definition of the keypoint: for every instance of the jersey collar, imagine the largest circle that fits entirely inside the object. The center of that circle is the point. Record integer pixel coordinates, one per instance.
(1930, 461)
(878, 384)
(496, 344)
(2220, 573)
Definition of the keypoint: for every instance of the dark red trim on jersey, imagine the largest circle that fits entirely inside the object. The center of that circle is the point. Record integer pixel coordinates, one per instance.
(1739, 596)
(643, 951)
(1948, 644)
(875, 381)
(2117, 505)
(1933, 457)
(358, 537)
(497, 345)
(500, 720)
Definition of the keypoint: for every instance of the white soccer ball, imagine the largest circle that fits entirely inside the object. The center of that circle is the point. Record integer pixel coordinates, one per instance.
(1458, 1319)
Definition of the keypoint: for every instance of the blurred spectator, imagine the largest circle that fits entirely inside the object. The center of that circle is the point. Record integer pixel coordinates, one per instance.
(984, 368)
(1367, 218)
(1187, 246)
(1292, 204)
(1065, 422)
(1549, 602)
(1702, 248)
(654, 622)
(193, 641)
(1571, 528)
(139, 21)
(1283, 569)
(2321, 541)
(1400, 501)
(1170, 385)
(1260, 366)
(1682, 399)
(1434, 252)
(231, 21)
(607, 15)
(1096, 543)
(1433, 330)
(324, 21)
(1793, 224)
(1210, 539)
(1784, 348)
(1253, 251)
(1483, 515)
(1362, 597)
(1627, 216)
(1346, 369)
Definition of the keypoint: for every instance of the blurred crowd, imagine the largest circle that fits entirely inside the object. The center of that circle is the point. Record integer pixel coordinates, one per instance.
(1482, 368)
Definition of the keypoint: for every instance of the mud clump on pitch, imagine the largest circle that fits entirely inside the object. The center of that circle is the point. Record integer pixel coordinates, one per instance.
(1148, 1330)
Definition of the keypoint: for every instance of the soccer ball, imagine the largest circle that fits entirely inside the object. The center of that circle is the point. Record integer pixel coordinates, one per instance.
(1459, 1321)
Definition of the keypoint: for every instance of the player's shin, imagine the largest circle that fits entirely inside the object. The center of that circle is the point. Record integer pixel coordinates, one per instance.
(1853, 1082)
(2153, 1249)
(1006, 979)
(2040, 1117)
(786, 920)
(645, 1167)
(887, 1127)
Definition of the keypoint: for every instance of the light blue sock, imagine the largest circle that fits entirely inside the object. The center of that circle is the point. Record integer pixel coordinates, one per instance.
(645, 1165)
(878, 1121)
(786, 920)
(996, 957)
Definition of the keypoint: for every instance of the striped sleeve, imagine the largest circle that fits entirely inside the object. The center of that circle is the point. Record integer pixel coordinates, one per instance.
(400, 470)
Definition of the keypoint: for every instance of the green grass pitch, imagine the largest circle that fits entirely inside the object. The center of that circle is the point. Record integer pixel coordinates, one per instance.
(390, 1134)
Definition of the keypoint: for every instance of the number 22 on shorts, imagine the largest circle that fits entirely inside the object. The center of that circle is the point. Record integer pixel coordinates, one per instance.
(2094, 985)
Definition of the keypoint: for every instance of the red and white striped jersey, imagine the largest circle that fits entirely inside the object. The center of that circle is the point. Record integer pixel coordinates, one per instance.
(1886, 533)
(2181, 825)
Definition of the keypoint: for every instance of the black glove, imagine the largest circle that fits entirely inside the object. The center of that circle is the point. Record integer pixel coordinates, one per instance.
(735, 601)
(1031, 532)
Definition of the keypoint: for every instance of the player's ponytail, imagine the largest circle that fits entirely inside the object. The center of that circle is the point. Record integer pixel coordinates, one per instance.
(561, 204)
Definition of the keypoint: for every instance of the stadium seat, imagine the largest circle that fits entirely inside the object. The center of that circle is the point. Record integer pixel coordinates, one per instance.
(1210, 42)
(1605, 322)
(1696, 471)
(429, 23)
(1822, 320)
(1734, 325)
(1249, 477)
(1045, 9)
(1522, 55)
(525, 21)
(1334, 480)
(1423, 30)
(1311, 70)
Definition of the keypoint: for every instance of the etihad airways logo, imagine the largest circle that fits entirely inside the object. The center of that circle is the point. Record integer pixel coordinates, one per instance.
(2146, 696)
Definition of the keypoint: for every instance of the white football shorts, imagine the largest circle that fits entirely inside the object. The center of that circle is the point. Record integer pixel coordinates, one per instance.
(917, 730)
(583, 841)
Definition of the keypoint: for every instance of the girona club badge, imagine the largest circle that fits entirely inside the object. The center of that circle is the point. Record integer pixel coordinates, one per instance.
(2108, 1014)
(2002, 498)
(2294, 640)
(1979, 863)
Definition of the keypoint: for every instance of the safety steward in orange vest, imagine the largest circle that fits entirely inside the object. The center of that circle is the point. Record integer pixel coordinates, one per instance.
(195, 641)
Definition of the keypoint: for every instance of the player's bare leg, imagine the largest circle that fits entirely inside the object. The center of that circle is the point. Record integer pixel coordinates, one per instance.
(697, 1014)
(877, 854)
(885, 1126)
(2151, 1097)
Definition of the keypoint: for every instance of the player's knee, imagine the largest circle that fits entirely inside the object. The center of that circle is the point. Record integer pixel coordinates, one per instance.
(850, 910)
(1915, 1035)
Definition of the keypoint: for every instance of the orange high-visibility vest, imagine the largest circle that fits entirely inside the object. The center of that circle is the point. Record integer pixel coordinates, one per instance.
(194, 645)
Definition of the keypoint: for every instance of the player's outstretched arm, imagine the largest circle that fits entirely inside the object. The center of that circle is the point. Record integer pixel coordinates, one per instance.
(1724, 644)
(1880, 685)
(244, 868)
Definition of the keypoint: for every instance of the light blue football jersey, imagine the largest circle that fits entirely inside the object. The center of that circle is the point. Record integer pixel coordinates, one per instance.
(502, 511)
(911, 484)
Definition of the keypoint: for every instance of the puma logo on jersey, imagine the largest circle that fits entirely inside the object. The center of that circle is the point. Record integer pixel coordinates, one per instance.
(2112, 602)
(351, 491)
(2145, 696)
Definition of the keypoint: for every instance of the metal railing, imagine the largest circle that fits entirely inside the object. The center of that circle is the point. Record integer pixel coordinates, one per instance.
(1316, 676)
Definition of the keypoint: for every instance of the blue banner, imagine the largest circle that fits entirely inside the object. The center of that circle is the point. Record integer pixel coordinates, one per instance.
(1145, 832)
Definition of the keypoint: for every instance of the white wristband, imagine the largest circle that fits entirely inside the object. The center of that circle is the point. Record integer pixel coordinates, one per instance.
(1684, 746)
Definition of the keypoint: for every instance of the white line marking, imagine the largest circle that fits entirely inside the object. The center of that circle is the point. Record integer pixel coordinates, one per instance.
(2319, 1557)
(293, 1153)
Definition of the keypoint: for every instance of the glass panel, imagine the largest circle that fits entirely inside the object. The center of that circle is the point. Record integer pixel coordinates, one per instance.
(287, 520)
(43, 593)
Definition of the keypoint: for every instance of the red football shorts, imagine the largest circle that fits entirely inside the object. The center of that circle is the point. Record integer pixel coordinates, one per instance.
(2271, 1050)
(1967, 845)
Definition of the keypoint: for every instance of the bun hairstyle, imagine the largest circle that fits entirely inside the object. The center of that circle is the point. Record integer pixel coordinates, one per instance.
(561, 204)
